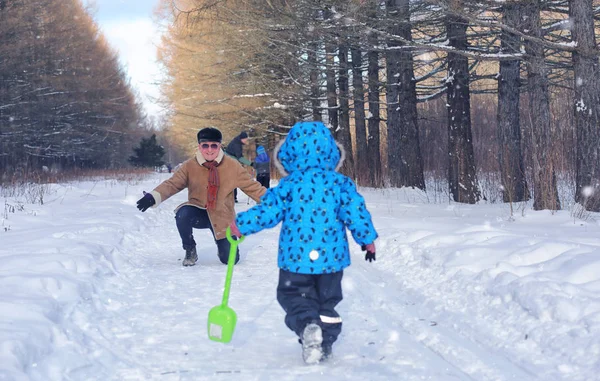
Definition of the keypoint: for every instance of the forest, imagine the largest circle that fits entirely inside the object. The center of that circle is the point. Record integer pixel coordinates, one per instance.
(494, 100)
(467, 91)
(65, 102)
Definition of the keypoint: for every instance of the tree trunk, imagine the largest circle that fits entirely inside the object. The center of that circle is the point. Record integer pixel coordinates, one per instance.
(462, 179)
(342, 134)
(544, 177)
(332, 107)
(587, 101)
(315, 89)
(510, 155)
(394, 133)
(410, 167)
(360, 128)
(373, 140)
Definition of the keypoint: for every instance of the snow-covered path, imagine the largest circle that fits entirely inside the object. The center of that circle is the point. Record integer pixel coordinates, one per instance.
(153, 321)
(457, 293)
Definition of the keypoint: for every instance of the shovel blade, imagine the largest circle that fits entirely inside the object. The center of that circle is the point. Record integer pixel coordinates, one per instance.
(221, 323)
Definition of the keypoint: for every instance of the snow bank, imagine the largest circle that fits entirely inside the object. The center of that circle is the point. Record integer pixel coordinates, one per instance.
(92, 289)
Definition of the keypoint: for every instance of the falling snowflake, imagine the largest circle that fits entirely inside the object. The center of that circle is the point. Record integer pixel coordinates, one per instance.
(587, 191)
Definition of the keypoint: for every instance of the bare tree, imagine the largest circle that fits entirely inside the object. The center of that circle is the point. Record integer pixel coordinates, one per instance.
(374, 119)
(315, 88)
(544, 176)
(392, 71)
(360, 128)
(587, 102)
(461, 170)
(410, 167)
(343, 132)
(509, 127)
(332, 105)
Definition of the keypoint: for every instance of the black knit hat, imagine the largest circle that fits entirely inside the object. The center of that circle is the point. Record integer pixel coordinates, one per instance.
(243, 135)
(209, 134)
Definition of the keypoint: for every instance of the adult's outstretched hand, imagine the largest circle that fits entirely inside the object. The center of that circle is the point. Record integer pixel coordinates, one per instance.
(145, 202)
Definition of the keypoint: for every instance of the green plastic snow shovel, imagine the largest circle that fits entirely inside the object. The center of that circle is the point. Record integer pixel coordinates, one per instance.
(221, 318)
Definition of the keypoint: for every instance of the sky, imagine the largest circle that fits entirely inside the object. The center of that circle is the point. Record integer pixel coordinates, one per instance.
(93, 289)
(129, 27)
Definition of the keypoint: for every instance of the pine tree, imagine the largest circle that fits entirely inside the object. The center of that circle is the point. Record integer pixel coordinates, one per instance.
(148, 154)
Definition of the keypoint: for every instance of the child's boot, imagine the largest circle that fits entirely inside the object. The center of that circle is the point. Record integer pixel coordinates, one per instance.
(312, 338)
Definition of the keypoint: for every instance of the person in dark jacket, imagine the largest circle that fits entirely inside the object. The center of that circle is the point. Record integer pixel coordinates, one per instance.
(235, 149)
(316, 205)
(262, 166)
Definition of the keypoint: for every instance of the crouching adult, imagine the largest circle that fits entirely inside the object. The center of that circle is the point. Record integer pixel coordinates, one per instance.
(210, 177)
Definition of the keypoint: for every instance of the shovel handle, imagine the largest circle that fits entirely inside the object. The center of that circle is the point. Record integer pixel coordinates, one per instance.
(230, 237)
(230, 262)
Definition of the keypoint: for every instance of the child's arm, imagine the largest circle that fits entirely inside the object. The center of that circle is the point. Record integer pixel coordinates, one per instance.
(353, 212)
(265, 215)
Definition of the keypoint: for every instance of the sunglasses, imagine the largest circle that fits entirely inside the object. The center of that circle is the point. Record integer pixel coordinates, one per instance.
(211, 146)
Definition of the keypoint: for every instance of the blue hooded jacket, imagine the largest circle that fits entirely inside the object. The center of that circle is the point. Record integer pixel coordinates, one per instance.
(261, 155)
(261, 163)
(315, 203)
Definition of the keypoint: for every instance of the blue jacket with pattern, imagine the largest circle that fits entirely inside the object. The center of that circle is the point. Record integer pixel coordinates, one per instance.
(315, 203)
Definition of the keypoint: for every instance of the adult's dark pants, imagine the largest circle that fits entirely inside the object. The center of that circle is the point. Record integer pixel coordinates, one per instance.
(189, 218)
(311, 298)
(264, 180)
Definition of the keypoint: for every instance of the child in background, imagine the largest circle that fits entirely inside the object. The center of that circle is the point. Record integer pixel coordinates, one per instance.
(316, 205)
(262, 165)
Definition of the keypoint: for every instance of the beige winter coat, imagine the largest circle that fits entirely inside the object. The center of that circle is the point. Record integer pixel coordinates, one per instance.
(193, 176)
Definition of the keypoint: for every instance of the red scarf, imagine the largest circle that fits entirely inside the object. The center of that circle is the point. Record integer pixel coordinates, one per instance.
(213, 183)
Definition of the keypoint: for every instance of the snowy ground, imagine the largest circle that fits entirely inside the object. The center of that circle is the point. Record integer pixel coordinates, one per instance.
(92, 289)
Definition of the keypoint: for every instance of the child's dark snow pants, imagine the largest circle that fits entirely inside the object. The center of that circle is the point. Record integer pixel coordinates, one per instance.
(308, 298)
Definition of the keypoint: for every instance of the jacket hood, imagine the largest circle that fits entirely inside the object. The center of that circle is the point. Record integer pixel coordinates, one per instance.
(262, 158)
(309, 145)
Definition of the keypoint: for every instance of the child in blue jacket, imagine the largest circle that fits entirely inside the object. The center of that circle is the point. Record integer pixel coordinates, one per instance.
(262, 165)
(316, 205)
